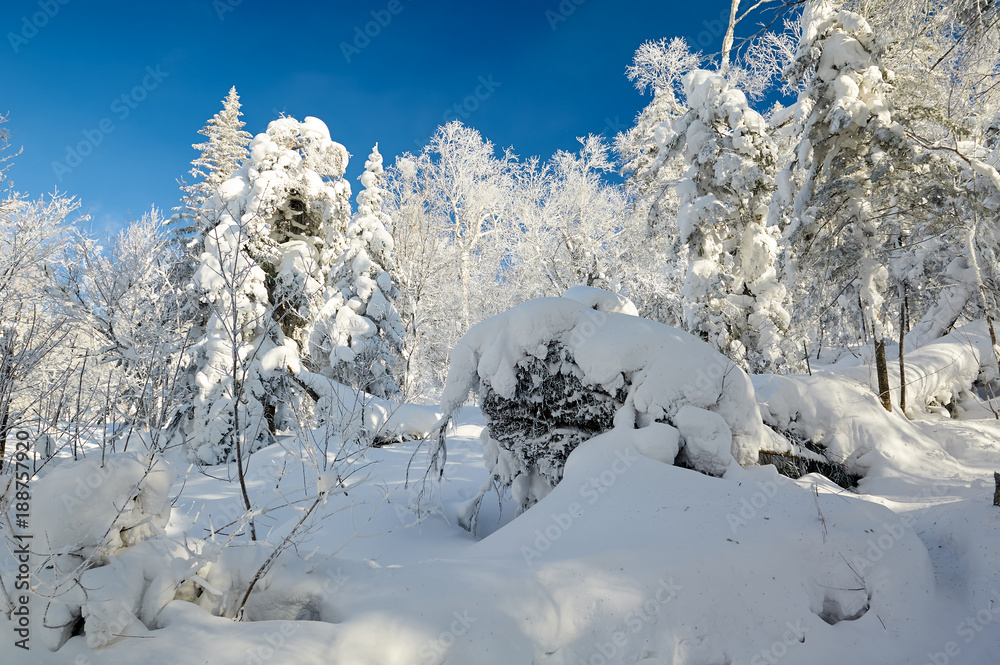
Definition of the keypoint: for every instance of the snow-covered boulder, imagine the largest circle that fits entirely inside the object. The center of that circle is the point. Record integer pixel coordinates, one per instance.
(553, 372)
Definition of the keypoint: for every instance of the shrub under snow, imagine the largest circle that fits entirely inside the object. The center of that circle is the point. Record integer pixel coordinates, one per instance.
(553, 372)
(101, 563)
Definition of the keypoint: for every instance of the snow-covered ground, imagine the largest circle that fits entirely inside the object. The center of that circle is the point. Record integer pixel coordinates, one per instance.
(628, 560)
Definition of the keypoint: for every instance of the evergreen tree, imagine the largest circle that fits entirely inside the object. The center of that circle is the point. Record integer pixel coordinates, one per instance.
(358, 328)
(221, 155)
(274, 229)
(733, 298)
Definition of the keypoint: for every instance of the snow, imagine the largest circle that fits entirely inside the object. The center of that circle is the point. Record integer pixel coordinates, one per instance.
(666, 368)
(707, 439)
(628, 559)
(601, 300)
(88, 508)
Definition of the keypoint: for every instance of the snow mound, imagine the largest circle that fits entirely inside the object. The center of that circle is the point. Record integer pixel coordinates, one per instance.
(837, 411)
(88, 508)
(101, 566)
(579, 370)
(381, 420)
(626, 561)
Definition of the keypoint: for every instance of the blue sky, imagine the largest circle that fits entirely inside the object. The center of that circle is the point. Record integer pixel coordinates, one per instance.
(131, 83)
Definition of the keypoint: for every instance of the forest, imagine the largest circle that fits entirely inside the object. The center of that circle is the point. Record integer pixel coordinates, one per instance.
(773, 295)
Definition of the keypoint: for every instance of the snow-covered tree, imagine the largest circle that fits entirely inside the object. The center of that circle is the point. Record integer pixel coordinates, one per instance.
(358, 328)
(275, 229)
(574, 228)
(229, 407)
(297, 175)
(448, 207)
(7, 200)
(126, 297)
(945, 57)
(652, 276)
(33, 321)
(657, 67)
(732, 296)
(221, 154)
(843, 172)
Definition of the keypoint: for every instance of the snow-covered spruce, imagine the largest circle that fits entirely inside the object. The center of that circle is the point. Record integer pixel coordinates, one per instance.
(358, 328)
(732, 295)
(222, 154)
(275, 229)
(553, 372)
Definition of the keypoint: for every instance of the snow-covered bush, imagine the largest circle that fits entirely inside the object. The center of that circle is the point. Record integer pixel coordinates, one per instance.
(553, 372)
(88, 516)
(550, 413)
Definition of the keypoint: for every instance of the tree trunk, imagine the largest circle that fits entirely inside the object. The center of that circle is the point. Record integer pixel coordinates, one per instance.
(882, 369)
(727, 40)
(4, 419)
(986, 313)
(238, 442)
(974, 262)
(902, 364)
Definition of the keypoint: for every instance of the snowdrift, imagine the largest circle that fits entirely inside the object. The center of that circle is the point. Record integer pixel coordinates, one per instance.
(628, 559)
(835, 410)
